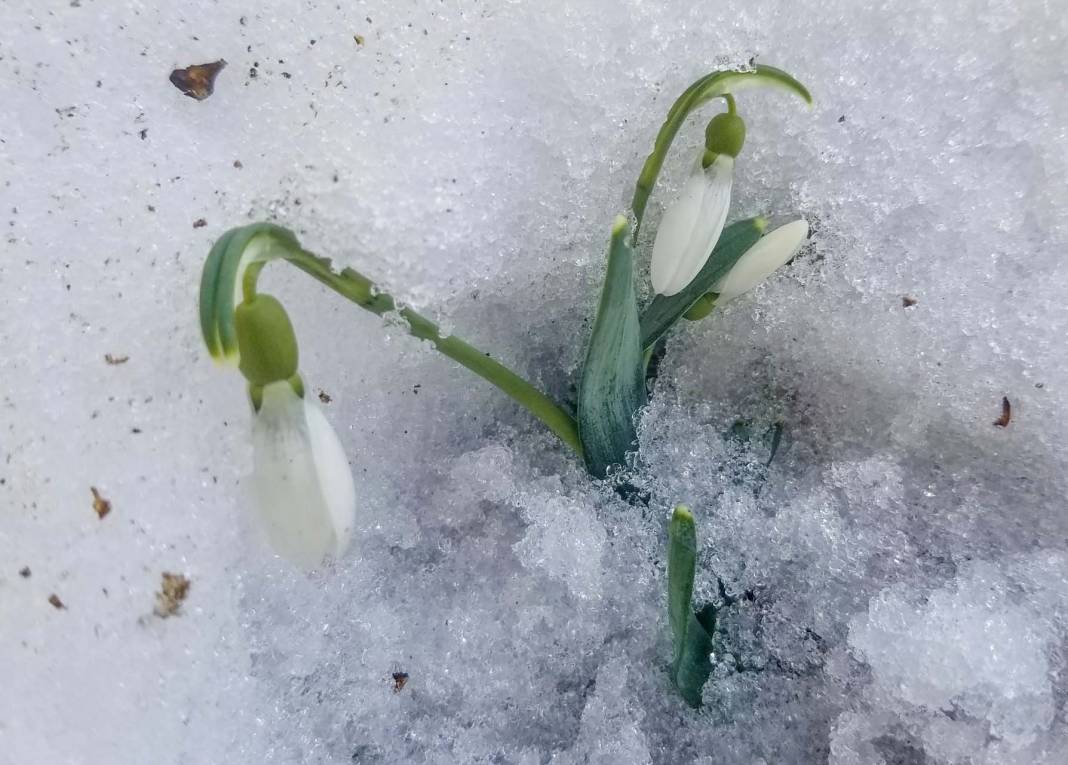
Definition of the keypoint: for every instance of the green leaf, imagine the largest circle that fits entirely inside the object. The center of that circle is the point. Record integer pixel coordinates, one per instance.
(663, 312)
(694, 665)
(612, 389)
(209, 280)
(701, 92)
(692, 633)
(682, 565)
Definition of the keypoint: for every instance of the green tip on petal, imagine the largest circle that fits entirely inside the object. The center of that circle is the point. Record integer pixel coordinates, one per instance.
(761, 223)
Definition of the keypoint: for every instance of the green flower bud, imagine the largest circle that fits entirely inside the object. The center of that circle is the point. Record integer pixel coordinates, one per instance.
(725, 134)
(265, 340)
(702, 307)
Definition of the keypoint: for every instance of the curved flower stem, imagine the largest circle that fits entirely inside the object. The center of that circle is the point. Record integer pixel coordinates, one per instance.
(360, 290)
(249, 279)
(714, 85)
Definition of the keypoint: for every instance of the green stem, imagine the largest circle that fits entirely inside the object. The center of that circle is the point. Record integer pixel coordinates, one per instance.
(248, 281)
(362, 291)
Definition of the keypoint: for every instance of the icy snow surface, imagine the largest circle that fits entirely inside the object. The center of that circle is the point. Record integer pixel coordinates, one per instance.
(894, 587)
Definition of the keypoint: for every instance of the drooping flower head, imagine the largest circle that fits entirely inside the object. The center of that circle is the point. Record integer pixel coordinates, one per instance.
(304, 494)
(691, 226)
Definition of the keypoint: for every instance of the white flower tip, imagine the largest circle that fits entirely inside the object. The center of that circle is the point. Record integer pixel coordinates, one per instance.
(760, 261)
(305, 495)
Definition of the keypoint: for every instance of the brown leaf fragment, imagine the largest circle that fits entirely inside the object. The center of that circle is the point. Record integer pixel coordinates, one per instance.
(100, 505)
(174, 590)
(325, 397)
(115, 360)
(359, 39)
(1006, 414)
(399, 681)
(908, 302)
(197, 81)
(58, 604)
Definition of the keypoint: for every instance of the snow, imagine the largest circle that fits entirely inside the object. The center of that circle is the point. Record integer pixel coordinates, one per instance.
(893, 586)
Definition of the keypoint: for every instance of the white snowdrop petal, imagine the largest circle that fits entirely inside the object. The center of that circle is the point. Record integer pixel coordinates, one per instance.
(335, 476)
(714, 209)
(302, 485)
(675, 230)
(772, 251)
(685, 252)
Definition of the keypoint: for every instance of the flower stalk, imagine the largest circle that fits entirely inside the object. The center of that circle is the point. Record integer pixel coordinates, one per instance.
(273, 242)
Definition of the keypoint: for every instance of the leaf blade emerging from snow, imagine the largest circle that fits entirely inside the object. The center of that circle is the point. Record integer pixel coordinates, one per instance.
(612, 389)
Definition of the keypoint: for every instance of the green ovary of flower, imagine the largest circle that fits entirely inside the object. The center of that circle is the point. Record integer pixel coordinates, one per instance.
(725, 134)
(265, 340)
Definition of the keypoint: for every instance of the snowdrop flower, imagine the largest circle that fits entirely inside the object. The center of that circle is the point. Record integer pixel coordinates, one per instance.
(773, 250)
(691, 226)
(303, 488)
(304, 493)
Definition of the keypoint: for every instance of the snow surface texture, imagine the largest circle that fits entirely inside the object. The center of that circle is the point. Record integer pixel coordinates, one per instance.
(894, 586)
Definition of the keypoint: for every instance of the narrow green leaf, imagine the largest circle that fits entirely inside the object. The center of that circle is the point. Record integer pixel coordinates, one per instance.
(701, 92)
(692, 664)
(208, 281)
(612, 389)
(682, 565)
(663, 312)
